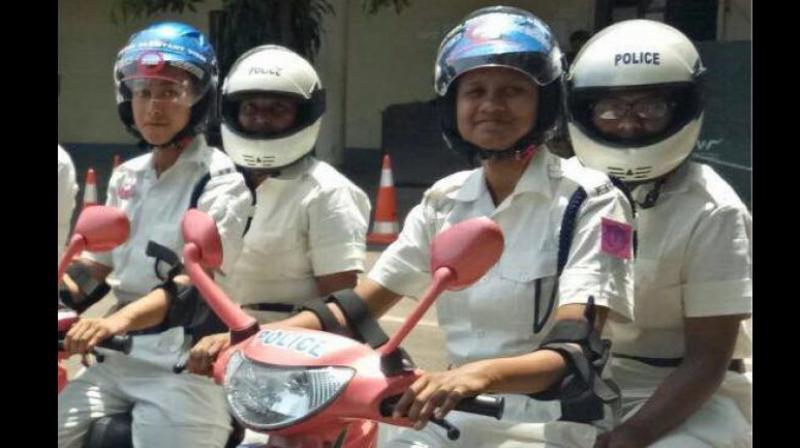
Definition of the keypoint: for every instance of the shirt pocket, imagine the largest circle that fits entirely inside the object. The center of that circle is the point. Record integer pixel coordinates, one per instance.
(275, 255)
(657, 299)
(519, 292)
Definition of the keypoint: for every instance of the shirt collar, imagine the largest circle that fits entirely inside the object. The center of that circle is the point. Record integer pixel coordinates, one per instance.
(535, 179)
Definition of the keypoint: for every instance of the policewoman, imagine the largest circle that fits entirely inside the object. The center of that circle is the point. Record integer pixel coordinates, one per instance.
(165, 81)
(308, 234)
(635, 111)
(498, 80)
(67, 189)
(307, 237)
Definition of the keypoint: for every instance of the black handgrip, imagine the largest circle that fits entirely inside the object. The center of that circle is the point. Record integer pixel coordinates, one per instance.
(119, 343)
(453, 433)
(386, 407)
(484, 404)
(180, 366)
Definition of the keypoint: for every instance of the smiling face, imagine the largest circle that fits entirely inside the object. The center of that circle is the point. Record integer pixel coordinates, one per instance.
(162, 105)
(495, 107)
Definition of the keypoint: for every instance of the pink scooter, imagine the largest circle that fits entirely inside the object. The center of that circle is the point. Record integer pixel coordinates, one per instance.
(312, 389)
(98, 229)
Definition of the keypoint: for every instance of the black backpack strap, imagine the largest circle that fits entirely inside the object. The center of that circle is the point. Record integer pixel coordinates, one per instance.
(568, 227)
(252, 189)
(198, 189)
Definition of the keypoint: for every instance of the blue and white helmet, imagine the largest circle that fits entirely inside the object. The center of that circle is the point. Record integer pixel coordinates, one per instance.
(168, 44)
(500, 36)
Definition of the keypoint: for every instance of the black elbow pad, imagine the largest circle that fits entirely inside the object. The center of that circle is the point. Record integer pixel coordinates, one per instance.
(582, 392)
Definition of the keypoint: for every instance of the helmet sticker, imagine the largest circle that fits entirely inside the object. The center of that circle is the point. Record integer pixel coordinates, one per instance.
(150, 63)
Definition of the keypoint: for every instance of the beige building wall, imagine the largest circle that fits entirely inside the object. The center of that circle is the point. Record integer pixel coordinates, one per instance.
(735, 20)
(366, 62)
(88, 42)
(391, 57)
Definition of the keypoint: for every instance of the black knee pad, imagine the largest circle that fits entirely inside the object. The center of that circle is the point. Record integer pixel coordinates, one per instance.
(110, 431)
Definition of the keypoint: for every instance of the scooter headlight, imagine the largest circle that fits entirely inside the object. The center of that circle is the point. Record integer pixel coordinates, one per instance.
(269, 397)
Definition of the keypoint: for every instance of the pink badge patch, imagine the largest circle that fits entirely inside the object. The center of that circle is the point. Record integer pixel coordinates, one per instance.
(616, 238)
(125, 191)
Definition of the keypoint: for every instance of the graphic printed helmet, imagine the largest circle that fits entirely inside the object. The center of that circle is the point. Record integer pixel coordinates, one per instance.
(500, 36)
(154, 54)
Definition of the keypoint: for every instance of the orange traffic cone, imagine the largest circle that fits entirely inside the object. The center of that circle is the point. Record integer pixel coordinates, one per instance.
(385, 227)
(90, 189)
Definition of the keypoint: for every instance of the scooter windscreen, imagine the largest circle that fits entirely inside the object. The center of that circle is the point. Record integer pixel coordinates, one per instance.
(268, 397)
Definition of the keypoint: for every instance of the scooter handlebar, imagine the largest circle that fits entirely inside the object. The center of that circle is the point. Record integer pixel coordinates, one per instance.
(484, 404)
(180, 366)
(119, 343)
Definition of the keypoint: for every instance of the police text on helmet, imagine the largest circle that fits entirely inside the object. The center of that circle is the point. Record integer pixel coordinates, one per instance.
(265, 71)
(642, 57)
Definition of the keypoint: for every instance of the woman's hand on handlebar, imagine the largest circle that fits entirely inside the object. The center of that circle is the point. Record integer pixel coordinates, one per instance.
(435, 394)
(205, 352)
(84, 336)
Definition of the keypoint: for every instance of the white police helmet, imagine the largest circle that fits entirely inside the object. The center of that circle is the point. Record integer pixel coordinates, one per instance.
(276, 70)
(629, 56)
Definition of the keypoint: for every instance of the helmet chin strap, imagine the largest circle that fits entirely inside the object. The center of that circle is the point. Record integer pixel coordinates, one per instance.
(524, 154)
(652, 196)
(178, 142)
(164, 161)
(181, 140)
(524, 149)
(273, 172)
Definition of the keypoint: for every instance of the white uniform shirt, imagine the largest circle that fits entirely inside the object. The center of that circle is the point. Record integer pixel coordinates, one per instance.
(694, 260)
(309, 221)
(155, 207)
(495, 317)
(67, 189)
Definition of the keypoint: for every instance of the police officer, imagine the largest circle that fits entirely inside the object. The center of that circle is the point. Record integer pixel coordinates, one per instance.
(307, 236)
(498, 79)
(165, 79)
(67, 189)
(635, 111)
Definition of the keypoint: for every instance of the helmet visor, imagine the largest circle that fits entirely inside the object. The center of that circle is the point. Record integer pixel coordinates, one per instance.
(633, 116)
(163, 90)
(157, 76)
(270, 115)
